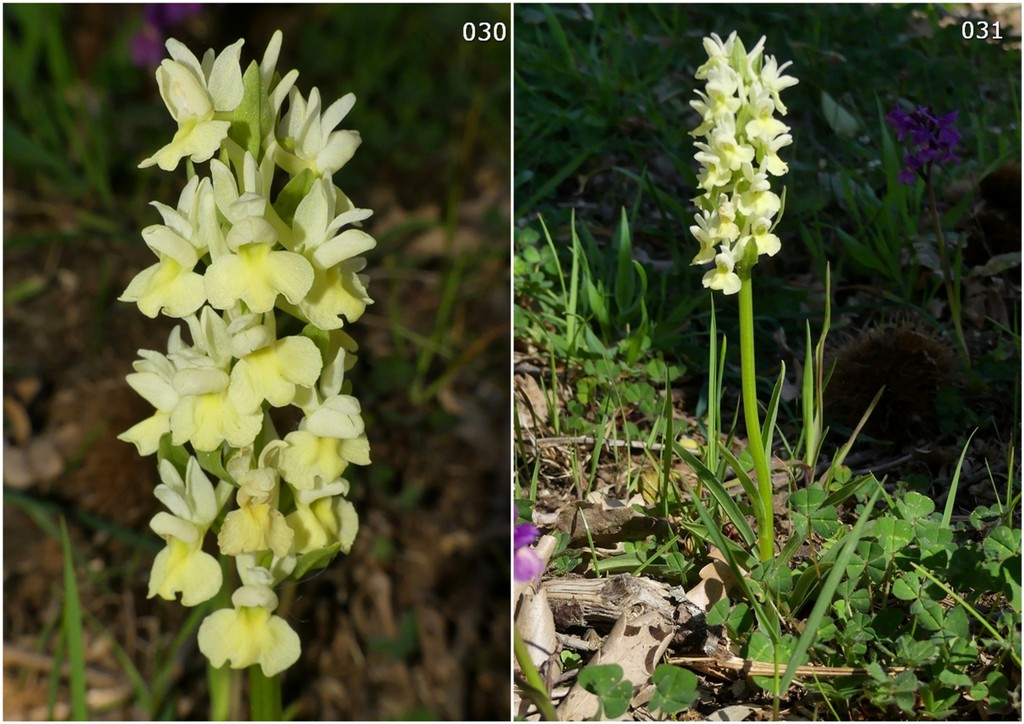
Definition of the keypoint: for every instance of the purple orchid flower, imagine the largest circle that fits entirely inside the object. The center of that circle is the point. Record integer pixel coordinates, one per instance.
(927, 138)
(147, 45)
(526, 564)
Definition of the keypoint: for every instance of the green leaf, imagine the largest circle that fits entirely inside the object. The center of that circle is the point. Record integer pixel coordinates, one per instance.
(877, 564)
(761, 648)
(997, 686)
(809, 509)
(24, 290)
(772, 411)
(957, 625)
(570, 660)
(594, 294)
(913, 506)
(600, 679)
(245, 122)
(807, 500)
(907, 587)
(605, 682)
(211, 462)
(624, 282)
(808, 582)
(848, 489)
(675, 689)
(72, 630)
(893, 535)
(954, 678)
(177, 454)
(740, 620)
(876, 672)
(939, 700)
(315, 560)
(719, 492)
(838, 118)
(1001, 543)
(916, 653)
(930, 614)
(906, 686)
(860, 252)
(855, 567)
(292, 194)
(932, 536)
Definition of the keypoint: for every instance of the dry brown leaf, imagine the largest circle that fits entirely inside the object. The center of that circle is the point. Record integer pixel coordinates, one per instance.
(607, 523)
(716, 581)
(537, 627)
(531, 403)
(637, 646)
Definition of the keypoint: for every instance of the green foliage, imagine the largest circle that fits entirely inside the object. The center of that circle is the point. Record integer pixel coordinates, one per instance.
(591, 310)
(564, 559)
(885, 691)
(315, 560)
(614, 287)
(760, 647)
(48, 113)
(675, 689)
(72, 638)
(612, 691)
(597, 302)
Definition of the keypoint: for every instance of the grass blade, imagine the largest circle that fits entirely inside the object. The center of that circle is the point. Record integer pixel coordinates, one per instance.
(835, 577)
(720, 494)
(771, 413)
(71, 630)
(947, 513)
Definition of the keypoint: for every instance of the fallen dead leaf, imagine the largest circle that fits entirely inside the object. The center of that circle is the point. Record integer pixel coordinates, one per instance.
(635, 644)
(531, 403)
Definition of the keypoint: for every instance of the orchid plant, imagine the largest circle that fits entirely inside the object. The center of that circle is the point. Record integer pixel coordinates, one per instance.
(266, 287)
(738, 211)
(929, 141)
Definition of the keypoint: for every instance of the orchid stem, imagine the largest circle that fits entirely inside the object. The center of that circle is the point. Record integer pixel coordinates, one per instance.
(952, 287)
(535, 690)
(762, 507)
(264, 695)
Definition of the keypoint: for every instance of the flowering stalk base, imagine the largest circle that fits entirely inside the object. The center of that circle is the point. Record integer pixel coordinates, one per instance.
(763, 509)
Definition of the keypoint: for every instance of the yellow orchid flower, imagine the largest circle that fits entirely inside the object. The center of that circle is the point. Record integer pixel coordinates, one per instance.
(194, 94)
(248, 634)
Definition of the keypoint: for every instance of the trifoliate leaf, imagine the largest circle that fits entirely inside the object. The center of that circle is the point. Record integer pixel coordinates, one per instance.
(676, 689)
